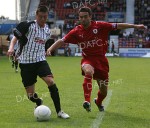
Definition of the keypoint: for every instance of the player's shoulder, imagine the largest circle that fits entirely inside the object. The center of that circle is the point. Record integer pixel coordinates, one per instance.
(78, 28)
(100, 22)
(26, 23)
(22, 28)
(103, 24)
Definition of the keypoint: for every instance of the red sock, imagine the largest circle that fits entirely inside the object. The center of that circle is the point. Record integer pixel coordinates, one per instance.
(100, 98)
(87, 87)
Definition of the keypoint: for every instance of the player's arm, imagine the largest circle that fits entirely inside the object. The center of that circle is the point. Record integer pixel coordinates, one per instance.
(55, 46)
(126, 25)
(11, 47)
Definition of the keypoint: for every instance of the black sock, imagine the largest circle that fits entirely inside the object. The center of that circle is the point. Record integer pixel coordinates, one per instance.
(16, 64)
(34, 98)
(55, 97)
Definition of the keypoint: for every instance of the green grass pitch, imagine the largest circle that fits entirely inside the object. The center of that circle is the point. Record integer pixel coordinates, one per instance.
(128, 105)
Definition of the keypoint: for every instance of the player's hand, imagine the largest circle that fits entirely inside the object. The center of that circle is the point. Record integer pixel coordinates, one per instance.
(10, 52)
(48, 52)
(140, 26)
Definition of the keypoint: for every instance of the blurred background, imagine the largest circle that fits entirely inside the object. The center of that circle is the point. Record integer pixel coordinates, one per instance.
(63, 16)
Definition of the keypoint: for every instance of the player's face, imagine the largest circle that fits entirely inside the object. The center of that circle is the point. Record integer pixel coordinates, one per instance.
(41, 18)
(85, 19)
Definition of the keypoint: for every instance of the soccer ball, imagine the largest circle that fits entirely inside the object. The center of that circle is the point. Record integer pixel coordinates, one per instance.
(42, 113)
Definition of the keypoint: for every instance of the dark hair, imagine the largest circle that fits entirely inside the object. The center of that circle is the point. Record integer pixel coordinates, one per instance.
(42, 8)
(85, 9)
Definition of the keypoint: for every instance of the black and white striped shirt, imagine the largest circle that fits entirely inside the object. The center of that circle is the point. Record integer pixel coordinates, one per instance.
(34, 50)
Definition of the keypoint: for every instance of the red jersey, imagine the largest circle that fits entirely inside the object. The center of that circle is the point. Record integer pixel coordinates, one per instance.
(93, 40)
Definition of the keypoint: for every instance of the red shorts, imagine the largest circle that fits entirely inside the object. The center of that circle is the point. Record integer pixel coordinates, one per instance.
(100, 65)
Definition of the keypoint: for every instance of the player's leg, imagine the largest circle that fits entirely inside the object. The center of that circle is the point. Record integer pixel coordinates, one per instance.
(32, 96)
(28, 74)
(16, 64)
(87, 85)
(101, 75)
(46, 75)
(54, 93)
(102, 93)
(12, 60)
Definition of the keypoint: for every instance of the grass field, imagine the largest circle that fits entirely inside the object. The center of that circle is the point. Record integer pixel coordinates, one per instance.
(127, 104)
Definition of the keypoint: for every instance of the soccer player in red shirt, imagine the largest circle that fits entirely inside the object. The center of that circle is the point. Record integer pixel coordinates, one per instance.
(92, 37)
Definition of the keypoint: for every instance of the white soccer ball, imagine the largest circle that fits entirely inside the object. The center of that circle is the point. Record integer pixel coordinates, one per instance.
(42, 113)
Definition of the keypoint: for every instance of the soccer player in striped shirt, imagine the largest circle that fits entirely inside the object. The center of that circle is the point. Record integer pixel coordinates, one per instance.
(32, 61)
(92, 37)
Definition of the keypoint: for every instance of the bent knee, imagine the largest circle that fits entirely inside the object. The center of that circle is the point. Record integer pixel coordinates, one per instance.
(88, 69)
(88, 72)
(49, 80)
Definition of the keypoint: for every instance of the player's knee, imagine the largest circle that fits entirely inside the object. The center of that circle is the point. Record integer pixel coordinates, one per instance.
(51, 83)
(89, 72)
(49, 80)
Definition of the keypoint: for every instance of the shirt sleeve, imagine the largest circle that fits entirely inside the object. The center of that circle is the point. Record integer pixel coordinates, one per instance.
(70, 37)
(108, 26)
(21, 29)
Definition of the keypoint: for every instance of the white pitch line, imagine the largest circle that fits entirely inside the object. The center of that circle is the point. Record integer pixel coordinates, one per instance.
(98, 120)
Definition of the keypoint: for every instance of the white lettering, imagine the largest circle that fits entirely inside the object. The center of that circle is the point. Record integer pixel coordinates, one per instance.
(75, 5)
(25, 98)
(92, 43)
(81, 4)
(18, 98)
(89, 44)
(91, 3)
(82, 45)
(86, 3)
(89, 86)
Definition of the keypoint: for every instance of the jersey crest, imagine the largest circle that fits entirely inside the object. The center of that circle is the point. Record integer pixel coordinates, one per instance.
(95, 31)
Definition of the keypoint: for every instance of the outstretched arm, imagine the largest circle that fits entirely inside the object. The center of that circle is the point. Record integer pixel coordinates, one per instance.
(126, 25)
(55, 46)
(11, 47)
